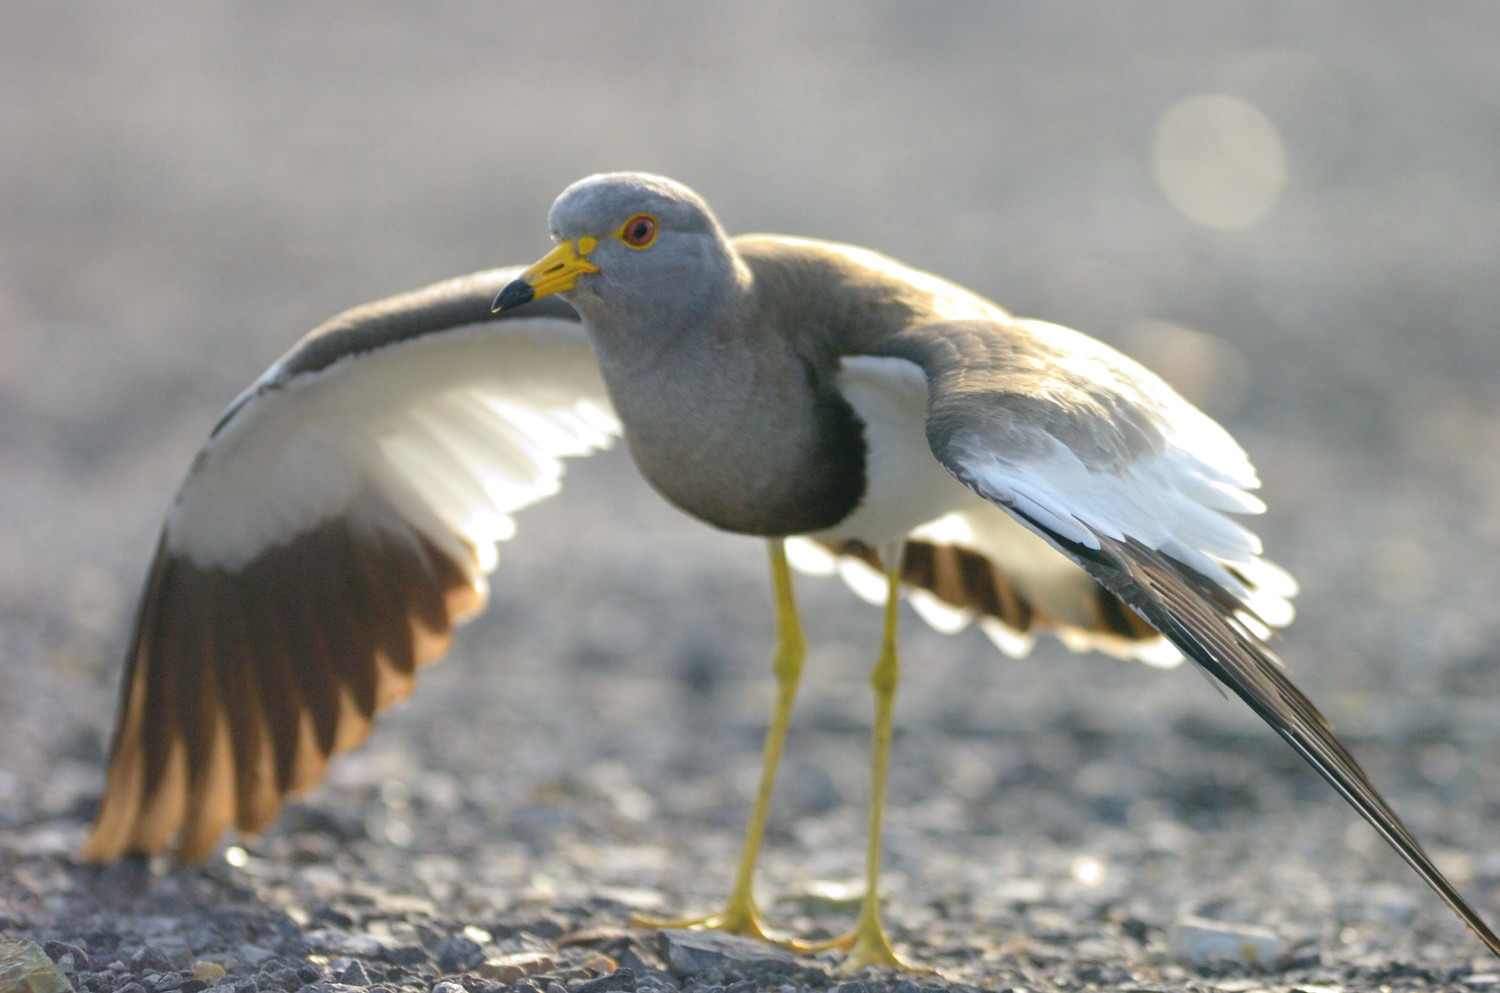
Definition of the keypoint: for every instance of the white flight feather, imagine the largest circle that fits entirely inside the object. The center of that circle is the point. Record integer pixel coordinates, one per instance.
(456, 430)
(1174, 500)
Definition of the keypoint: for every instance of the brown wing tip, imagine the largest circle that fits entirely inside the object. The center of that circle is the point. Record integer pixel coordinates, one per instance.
(243, 682)
(967, 580)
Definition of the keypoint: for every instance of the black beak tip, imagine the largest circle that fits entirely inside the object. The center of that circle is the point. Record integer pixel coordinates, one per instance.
(515, 293)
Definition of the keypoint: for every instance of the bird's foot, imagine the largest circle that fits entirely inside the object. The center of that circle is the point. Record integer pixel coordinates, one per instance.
(739, 916)
(867, 946)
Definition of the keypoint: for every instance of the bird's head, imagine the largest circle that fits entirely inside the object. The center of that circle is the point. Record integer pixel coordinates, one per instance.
(628, 245)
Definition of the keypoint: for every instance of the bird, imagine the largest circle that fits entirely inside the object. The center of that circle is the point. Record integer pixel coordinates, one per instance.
(852, 412)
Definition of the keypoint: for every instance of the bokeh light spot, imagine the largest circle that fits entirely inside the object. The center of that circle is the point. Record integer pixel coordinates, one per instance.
(1219, 160)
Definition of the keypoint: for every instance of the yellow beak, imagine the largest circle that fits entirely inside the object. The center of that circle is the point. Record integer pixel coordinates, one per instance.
(556, 272)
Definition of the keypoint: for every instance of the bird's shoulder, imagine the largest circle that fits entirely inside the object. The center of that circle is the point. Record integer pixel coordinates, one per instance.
(835, 301)
(974, 353)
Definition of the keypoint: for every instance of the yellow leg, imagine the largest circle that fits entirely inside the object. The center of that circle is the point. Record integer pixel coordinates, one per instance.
(868, 944)
(740, 915)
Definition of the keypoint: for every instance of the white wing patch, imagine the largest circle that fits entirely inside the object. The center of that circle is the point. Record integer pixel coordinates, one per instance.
(908, 492)
(1174, 500)
(457, 429)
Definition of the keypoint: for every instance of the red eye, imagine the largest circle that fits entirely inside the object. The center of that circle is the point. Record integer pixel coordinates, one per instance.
(639, 231)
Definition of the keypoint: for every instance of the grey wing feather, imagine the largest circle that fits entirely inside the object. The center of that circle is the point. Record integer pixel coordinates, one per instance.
(1122, 476)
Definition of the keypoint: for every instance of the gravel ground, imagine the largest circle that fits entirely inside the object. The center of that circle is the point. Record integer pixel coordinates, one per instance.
(186, 189)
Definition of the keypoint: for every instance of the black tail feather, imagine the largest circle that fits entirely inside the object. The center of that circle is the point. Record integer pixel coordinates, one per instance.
(1170, 597)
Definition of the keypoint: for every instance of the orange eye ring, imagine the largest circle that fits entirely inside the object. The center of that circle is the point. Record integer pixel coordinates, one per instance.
(639, 231)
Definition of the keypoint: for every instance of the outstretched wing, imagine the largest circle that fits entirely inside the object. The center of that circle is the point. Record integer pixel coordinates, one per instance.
(338, 523)
(1109, 465)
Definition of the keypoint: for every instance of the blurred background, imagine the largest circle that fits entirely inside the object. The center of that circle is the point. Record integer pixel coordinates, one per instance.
(1291, 211)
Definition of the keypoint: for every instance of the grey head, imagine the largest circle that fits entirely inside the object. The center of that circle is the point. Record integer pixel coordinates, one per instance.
(635, 253)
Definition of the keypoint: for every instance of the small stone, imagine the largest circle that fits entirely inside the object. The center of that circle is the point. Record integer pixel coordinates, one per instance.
(180, 955)
(1198, 941)
(333, 941)
(693, 953)
(131, 987)
(25, 967)
(458, 954)
(354, 975)
(147, 959)
(287, 979)
(564, 977)
(255, 956)
(633, 957)
(179, 982)
(405, 955)
(517, 965)
(619, 980)
(825, 896)
(69, 958)
(208, 971)
(597, 964)
(447, 986)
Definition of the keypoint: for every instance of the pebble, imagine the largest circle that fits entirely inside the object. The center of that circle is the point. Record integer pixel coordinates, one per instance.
(255, 956)
(510, 968)
(25, 967)
(208, 971)
(693, 953)
(148, 959)
(405, 955)
(334, 941)
(458, 954)
(69, 958)
(618, 980)
(1199, 941)
(354, 975)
